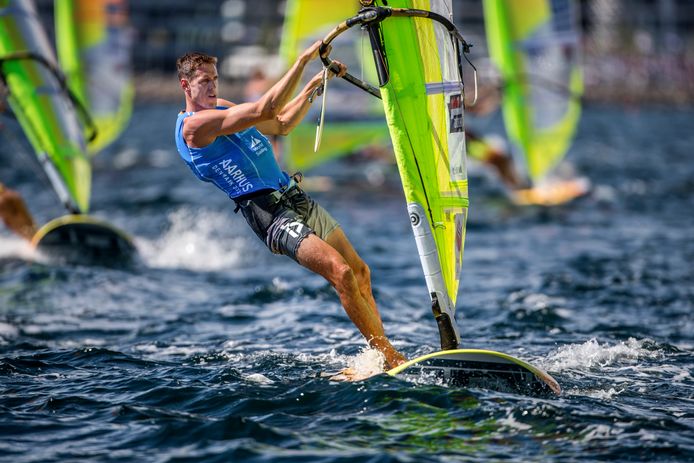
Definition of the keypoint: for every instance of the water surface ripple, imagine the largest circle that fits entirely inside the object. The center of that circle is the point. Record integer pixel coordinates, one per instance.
(214, 350)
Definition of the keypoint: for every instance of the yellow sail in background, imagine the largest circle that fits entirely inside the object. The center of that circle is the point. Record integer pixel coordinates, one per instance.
(353, 120)
(93, 40)
(535, 44)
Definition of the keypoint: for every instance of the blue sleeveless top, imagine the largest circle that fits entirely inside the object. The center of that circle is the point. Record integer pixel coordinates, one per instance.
(238, 164)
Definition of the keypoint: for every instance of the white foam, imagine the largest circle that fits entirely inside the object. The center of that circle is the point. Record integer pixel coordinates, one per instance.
(258, 378)
(368, 362)
(13, 246)
(196, 240)
(598, 393)
(7, 332)
(599, 432)
(281, 284)
(592, 354)
(170, 351)
(87, 342)
(511, 422)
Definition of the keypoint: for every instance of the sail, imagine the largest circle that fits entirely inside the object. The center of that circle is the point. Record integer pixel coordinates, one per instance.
(535, 46)
(93, 40)
(423, 100)
(306, 21)
(41, 103)
(354, 120)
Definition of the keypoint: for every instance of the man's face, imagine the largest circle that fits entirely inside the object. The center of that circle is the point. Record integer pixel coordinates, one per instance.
(202, 88)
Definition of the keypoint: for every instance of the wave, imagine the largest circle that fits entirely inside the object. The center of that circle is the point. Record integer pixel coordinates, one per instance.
(591, 354)
(197, 240)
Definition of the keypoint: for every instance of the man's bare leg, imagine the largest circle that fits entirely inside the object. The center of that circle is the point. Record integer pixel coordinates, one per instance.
(320, 257)
(338, 240)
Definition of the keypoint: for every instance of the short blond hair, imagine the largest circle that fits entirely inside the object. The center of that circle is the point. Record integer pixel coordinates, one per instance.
(191, 62)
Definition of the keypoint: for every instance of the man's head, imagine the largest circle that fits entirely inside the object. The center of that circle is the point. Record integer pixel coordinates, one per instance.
(197, 74)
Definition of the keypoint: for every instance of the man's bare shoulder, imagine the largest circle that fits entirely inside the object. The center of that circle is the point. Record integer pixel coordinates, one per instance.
(202, 127)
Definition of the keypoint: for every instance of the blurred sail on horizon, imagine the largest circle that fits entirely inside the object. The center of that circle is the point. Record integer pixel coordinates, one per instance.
(536, 47)
(94, 41)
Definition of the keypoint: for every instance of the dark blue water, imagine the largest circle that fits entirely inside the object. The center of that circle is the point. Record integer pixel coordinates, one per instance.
(212, 349)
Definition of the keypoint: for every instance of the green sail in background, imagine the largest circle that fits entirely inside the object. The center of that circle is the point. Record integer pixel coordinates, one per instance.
(354, 120)
(535, 46)
(42, 104)
(93, 39)
(423, 101)
(306, 21)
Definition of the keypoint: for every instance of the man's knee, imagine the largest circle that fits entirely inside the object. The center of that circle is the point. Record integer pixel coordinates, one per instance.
(362, 272)
(344, 278)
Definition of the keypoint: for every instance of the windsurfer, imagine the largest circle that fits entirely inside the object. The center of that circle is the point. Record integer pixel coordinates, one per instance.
(225, 144)
(490, 151)
(13, 211)
(15, 214)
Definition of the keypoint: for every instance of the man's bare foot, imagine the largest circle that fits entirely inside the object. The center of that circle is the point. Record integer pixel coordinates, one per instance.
(394, 359)
(353, 373)
(350, 374)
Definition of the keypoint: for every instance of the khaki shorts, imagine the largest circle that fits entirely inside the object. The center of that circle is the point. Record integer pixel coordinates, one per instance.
(283, 220)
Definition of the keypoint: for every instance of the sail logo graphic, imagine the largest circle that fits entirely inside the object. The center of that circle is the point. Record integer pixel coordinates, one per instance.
(414, 219)
(257, 146)
(455, 112)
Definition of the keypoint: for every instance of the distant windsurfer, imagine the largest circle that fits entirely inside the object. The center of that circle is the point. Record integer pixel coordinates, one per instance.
(490, 151)
(13, 210)
(15, 214)
(225, 144)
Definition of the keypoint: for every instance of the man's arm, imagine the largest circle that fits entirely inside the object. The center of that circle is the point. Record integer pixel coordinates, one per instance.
(204, 126)
(225, 103)
(295, 111)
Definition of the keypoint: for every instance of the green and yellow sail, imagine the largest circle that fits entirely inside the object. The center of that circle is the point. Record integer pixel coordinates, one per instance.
(535, 46)
(424, 105)
(41, 103)
(93, 39)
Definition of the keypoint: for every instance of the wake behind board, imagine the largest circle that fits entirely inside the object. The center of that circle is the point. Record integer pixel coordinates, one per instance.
(82, 239)
(552, 193)
(479, 368)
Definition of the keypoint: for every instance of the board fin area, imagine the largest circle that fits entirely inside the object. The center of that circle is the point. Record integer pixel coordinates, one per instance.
(83, 239)
(552, 193)
(479, 368)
